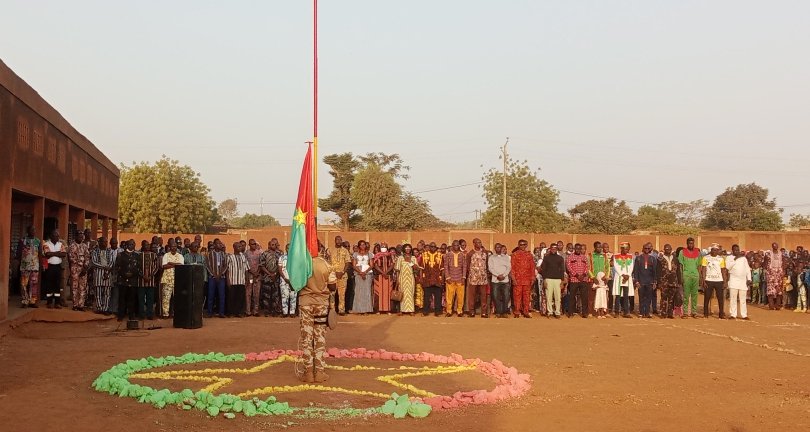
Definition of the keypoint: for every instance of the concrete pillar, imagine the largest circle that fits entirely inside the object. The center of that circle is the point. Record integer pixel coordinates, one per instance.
(105, 228)
(94, 226)
(63, 218)
(5, 240)
(39, 217)
(114, 228)
(78, 218)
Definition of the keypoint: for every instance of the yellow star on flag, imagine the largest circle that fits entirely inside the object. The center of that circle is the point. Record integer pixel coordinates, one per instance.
(300, 217)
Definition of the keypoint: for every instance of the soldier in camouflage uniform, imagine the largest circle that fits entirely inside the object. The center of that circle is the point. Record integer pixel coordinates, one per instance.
(670, 281)
(79, 261)
(314, 299)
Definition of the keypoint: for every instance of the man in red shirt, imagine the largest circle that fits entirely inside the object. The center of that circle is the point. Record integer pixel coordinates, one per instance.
(523, 269)
(577, 266)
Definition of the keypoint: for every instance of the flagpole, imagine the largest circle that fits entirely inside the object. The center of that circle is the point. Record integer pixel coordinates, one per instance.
(315, 110)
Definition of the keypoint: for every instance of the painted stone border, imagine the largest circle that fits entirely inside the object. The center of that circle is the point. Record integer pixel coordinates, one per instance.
(115, 381)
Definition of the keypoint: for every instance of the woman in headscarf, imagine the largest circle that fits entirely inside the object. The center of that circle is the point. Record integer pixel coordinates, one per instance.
(774, 273)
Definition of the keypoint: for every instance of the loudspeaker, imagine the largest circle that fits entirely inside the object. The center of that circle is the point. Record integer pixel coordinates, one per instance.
(189, 296)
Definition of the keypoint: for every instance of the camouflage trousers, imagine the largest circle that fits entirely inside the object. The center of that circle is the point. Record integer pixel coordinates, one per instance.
(78, 286)
(671, 298)
(312, 343)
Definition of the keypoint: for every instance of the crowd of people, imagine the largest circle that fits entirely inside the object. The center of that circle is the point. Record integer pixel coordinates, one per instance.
(443, 280)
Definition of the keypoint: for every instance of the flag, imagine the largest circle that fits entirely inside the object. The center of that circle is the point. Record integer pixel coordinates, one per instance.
(304, 237)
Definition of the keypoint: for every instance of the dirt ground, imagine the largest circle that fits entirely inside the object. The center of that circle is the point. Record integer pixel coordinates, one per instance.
(606, 375)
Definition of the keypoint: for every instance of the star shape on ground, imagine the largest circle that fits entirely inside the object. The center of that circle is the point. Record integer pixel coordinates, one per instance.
(216, 379)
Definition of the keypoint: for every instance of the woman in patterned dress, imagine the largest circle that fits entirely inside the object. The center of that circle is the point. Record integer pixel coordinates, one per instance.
(383, 264)
(774, 272)
(404, 269)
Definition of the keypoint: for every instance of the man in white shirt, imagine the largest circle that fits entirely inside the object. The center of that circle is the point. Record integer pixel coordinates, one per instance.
(54, 251)
(714, 280)
(739, 277)
(500, 266)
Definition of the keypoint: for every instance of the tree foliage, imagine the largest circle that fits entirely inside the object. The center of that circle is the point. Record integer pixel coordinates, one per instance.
(608, 216)
(342, 167)
(688, 214)
(799, 221)
(164, 197)
(390, 163)
(649, 216)
(745, 207)
(534, 201)
(251, 221)
(385, 206)
(228, 210)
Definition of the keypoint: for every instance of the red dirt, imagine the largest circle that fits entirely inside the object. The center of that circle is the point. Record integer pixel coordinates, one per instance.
(607, 375)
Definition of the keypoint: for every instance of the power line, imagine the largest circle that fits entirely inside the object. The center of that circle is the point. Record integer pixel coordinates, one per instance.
(449, 187)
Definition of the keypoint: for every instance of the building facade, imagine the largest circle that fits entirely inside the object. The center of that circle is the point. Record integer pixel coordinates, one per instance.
(51, 177)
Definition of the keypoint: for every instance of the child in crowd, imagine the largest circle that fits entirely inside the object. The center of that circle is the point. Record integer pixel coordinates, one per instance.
(801, 301)
(600, 301)
(756, 282)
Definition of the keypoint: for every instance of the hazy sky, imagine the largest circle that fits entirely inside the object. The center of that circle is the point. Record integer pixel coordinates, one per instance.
(705, 94)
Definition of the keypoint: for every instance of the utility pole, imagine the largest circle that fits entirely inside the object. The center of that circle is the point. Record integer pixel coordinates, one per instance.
(511, 213)
(261, 206)
(505, 157)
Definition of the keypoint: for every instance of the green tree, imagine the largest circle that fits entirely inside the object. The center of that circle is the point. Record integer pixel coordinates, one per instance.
(164, 197)
(250, 221)
(649, 216)
(688, 214)
(745, 207)
(608, 216)
(389, 163)
(342, 167)
(799, 221)
(534, 201)
(385, 206)
(228, 210)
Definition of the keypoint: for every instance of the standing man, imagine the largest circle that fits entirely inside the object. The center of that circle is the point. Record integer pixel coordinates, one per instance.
(270, 293)
(128, 268)
(670, 282)
(253, 281)
(79, 261)
(313, 301)
(577, 266)
(553, 271)
(170, 260)
(432, 278)
(713, 280)
(28, 252)
(216, 264)
(690, 260)
(477, 279)
(340, 260)
(523, 269)
(54, 251)
(235, 282)
(455, 273)
(500, 265)
(150, 266)
(102, 260)
(645, 278)
(739, 278)
(623, 280)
